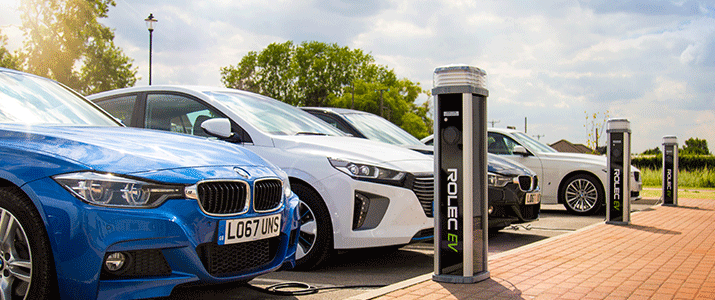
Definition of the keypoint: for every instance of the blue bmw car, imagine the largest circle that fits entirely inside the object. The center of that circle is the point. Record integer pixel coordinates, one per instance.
(92, 209)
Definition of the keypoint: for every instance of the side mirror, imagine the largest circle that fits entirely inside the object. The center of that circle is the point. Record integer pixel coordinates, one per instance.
(218, 127)
(520, 150)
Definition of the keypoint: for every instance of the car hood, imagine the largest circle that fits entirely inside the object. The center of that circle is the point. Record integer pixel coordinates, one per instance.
(600, 160)
(503, 166)
(495, 163)
(126, 150)
(358, 150)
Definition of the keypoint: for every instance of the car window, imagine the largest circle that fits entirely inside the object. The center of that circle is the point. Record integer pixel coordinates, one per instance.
(121, 107)
(177, 113)
(332, 121)
(272, 116)
(377, 128)
(35, 101)
(498, 143)
(533, 144)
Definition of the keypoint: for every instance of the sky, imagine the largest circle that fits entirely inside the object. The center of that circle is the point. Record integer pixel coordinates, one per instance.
(549, 64)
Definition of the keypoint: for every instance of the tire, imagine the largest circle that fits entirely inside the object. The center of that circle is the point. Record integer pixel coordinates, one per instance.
(582, 194)
(315, 234)
(27, 267)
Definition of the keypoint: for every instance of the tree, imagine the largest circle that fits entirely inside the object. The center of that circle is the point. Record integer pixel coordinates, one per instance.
(105, 68)
(654, 151)
(7, 59)
(320, 74)
(65, 37)
(594, 125)
(695, 146)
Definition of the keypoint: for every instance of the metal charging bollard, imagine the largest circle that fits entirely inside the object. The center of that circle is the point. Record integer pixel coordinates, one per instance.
(460, 131)
(670, 170)
(618, 208)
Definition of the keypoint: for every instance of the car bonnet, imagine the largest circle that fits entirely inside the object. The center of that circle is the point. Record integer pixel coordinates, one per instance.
(358, 150)
(127, 150)
(505, 166)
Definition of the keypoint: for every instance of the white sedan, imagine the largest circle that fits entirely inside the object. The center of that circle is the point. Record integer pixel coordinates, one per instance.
(573, 179)
(354, 193)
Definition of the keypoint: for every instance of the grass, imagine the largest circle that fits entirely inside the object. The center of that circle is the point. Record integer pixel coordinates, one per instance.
(656, 192)
(698, 184)
(703, 178)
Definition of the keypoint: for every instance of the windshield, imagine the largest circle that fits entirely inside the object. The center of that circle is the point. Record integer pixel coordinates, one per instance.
(377, 128)
(533, 144)
(272, 116)
(31, 100)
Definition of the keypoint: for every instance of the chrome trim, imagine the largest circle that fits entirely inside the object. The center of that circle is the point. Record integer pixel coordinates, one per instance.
(191, 192)
(282, 199)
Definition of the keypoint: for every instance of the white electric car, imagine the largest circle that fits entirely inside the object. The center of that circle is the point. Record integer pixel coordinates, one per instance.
(355, 193)
(575, 180)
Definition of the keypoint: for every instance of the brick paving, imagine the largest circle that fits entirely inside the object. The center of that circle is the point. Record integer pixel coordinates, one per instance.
(665, 252)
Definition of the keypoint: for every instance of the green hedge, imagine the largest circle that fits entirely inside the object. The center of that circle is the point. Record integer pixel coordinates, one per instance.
(685, 162)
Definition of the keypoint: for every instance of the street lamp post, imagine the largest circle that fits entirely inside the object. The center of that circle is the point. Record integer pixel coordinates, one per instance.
(150, 25)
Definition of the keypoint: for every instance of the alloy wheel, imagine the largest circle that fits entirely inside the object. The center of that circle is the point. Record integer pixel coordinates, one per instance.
(308, 231)
(15, 258)
(581, 195)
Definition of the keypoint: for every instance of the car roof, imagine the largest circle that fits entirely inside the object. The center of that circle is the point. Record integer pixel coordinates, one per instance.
(502, 130)
(190, 89)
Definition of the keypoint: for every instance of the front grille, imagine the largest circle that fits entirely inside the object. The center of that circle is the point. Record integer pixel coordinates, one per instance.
(228, 260)
(525, 183)
(423, 187)
(267, 195)
(223, 197)
(140, 263)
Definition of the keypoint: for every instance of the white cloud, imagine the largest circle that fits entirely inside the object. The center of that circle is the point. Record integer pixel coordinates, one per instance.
(652, 62)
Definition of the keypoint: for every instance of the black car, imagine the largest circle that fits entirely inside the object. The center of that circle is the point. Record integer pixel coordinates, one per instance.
(514, 194)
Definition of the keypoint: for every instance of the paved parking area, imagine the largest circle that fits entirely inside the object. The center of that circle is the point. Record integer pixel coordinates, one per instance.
(664, 253)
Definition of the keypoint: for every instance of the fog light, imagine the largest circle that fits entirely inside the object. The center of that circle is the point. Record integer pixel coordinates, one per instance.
(115, 261)
(491, 209)
(362, 205)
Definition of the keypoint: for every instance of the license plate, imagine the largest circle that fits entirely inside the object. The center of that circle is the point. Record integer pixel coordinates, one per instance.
(533, 198)
(246, 230)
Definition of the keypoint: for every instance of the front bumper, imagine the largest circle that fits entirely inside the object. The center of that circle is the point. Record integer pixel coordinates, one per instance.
(507, 206)
(399, 217)
(82, 235)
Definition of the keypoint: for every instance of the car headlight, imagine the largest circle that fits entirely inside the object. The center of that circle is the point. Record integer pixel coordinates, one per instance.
(111, 190)
(287, 192)
(499, 180)
(367, 172)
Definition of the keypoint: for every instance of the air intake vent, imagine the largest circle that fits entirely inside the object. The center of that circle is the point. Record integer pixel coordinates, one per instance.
(223, 197)
(423, 187)
(267, 195)
(525, 183)
(234, 259)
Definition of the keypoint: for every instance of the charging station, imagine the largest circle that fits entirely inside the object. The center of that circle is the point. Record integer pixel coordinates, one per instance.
(460, 142)
(670, 170)
(619, 169)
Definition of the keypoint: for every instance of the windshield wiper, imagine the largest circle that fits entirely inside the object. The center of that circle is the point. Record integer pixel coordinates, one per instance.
(309, 133)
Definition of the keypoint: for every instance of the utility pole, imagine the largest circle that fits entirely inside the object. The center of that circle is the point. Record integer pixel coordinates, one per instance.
(381, 101)
(494, 122)
(538, 136)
